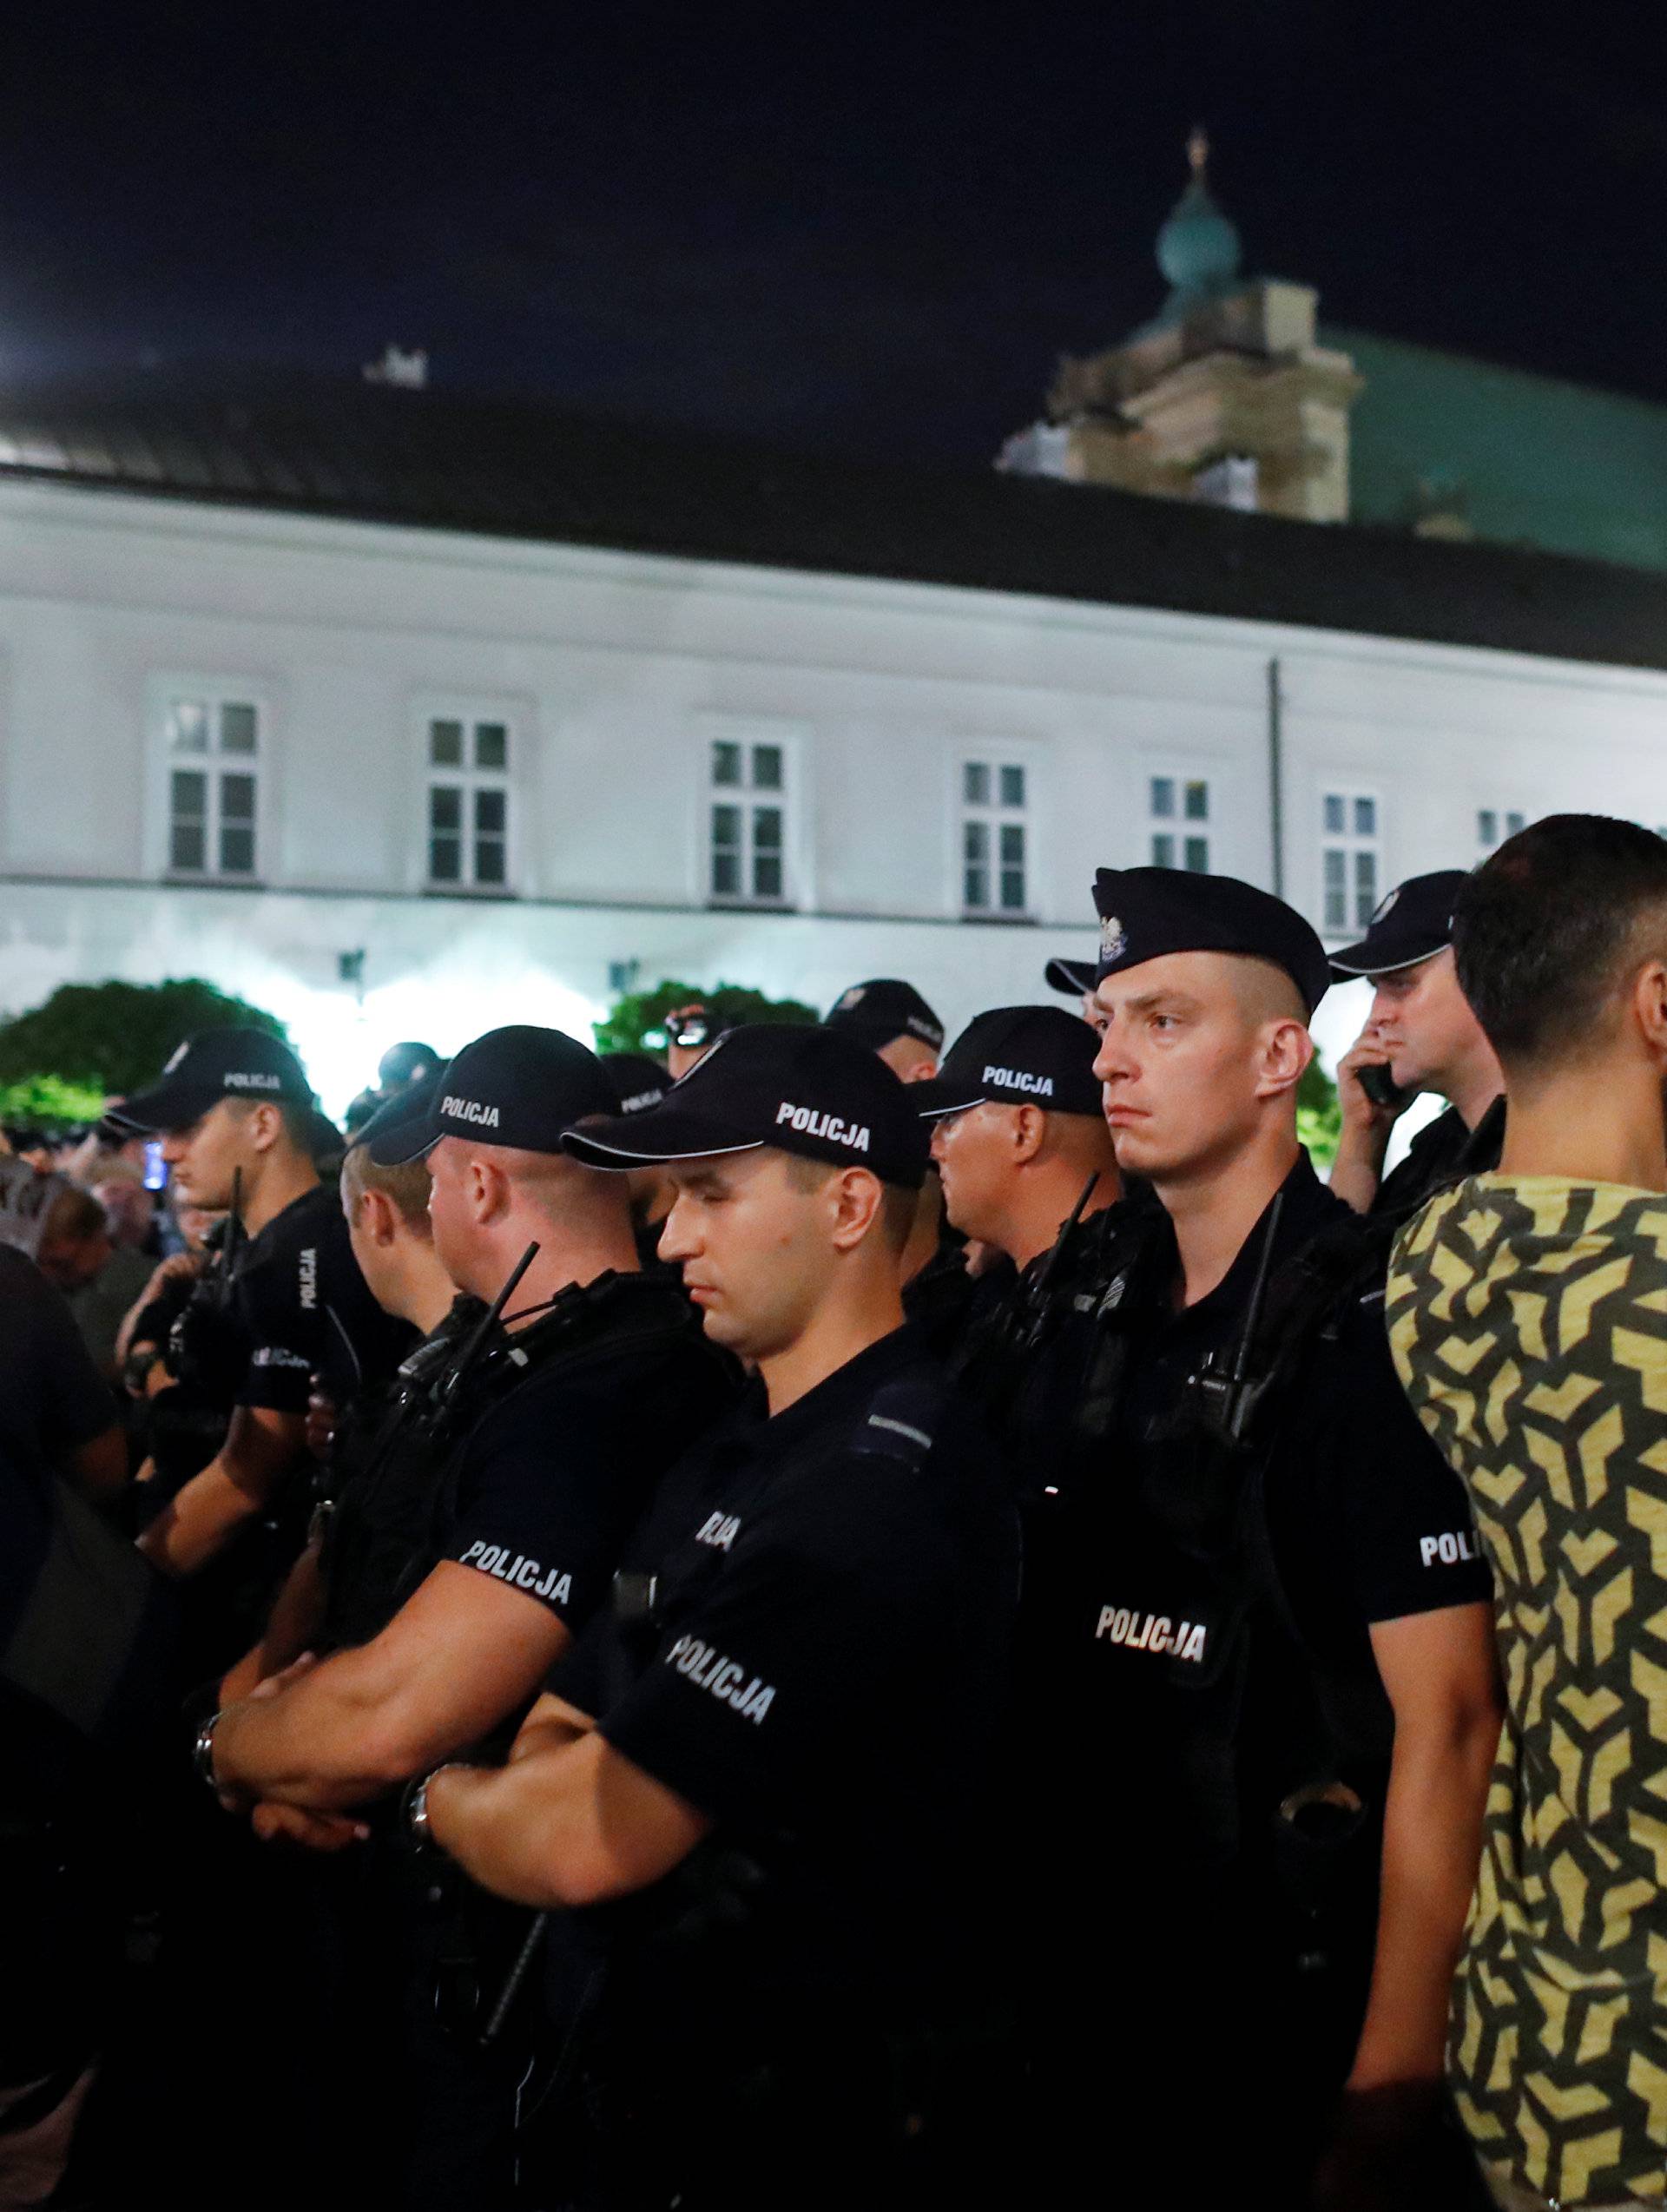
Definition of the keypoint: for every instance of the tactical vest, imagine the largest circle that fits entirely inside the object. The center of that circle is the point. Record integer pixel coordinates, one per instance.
(384, 1531)
(1030, 1362)
(1281, 1748)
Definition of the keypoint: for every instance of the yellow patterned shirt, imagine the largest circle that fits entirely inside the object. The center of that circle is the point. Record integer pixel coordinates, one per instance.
(1528, 1317)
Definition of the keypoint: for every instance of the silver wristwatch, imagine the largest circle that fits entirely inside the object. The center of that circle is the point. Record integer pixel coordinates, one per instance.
(417, 1826)
(203, 1752)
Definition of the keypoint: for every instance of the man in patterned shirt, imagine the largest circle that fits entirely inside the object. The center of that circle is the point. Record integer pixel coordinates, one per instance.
(1528, 1316)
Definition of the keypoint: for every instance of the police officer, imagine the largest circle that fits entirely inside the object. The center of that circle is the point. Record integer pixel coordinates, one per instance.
(892, 1018)
(476, 1537)
(1421, 1036)
(1017, 1131)
(1269, 1648)
(388, 1225)
(758, 1781)
(1028, 1172)
(691, 1031)
(237, 1120)
(1074, 978)
(640, 1082)
(400, 1068)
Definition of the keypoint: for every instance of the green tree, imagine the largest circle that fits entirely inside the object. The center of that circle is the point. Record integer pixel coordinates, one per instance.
(636, 1023)
(1319, 1114)
(59, 1060)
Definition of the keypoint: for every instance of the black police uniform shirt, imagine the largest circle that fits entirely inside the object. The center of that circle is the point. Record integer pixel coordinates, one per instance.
(549, 1482)
(378, 1489)
(944, 1300)
(1441, 1154)
(302, 1309)
(1174, 1759)
(823, 1675)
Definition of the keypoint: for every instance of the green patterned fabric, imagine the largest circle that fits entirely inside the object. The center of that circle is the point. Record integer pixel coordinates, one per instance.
(1528, 1317)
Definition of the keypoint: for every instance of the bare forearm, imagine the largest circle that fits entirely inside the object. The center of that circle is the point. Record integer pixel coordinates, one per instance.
(1432, 1842)
(506, 1825)
(198, 1522)
(318, 1743)
(262, 1448)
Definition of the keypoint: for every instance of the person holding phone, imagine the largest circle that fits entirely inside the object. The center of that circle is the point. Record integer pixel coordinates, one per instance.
(1421, 1036)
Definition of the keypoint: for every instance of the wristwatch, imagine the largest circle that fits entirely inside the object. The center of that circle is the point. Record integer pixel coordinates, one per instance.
(417, 1826)
(203, 1752)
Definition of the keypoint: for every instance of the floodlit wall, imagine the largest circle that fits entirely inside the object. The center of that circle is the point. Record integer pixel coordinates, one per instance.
(617, 675)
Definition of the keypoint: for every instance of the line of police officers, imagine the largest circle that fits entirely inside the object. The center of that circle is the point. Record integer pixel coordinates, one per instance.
(803, 1680)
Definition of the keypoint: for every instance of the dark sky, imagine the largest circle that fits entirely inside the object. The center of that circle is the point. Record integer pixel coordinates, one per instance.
(868, 230)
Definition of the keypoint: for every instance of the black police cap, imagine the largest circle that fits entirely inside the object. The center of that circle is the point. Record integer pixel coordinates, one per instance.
(406, 1063)
(1412, 924)
(1079, 977)
(231, 1063)
(1017, 1056)
(809, 1091)
(638, 1081)
(879, 1012)
(1146, 912)
(520, 1086)
(395, 1131)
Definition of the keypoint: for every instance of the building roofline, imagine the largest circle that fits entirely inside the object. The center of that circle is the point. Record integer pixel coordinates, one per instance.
(519, 470)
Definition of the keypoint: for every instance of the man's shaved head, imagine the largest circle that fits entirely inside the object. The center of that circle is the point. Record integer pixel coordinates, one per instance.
(1265, 993)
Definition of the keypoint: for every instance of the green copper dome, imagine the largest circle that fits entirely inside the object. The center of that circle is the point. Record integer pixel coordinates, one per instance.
(1198, 248)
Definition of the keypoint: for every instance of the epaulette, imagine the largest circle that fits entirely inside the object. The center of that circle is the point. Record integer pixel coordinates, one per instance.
(901, 1422)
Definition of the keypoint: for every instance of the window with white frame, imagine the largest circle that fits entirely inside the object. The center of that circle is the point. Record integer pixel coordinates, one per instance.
(1178, 819)
(468, 802)
(213, 743)
(746, 822)
(1494, 825)
(995, 837)
(1351, 859)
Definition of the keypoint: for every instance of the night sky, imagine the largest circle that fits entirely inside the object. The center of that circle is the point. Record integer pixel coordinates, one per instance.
(866, 230)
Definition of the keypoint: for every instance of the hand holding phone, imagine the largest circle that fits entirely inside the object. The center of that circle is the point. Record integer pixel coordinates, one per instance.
(1381, 1086)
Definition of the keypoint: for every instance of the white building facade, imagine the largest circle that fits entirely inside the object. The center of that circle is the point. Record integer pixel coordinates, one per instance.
(389, 781)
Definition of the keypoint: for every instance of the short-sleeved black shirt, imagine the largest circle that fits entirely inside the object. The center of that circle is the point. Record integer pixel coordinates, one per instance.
(1365, 1524)
(1442, 1153)
(52, 1400)
(302, 1309)
(825, 1673)
(550, 1482)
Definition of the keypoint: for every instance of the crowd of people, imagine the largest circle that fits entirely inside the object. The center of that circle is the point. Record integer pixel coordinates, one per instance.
(828, 1620)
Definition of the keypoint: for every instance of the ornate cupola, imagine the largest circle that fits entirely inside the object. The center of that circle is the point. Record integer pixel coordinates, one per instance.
(1223, 396)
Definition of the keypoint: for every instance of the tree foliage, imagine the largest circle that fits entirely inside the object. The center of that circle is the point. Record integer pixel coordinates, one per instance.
(113, 1037)
(636, 1023)
(1319, 1114)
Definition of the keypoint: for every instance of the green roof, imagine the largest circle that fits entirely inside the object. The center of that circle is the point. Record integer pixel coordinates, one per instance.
(1534, 461)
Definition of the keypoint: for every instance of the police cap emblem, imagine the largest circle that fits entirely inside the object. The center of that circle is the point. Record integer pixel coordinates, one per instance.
(1114, 939)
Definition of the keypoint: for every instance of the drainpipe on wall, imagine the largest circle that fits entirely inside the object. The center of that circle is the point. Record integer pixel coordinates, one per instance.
(1276, 778)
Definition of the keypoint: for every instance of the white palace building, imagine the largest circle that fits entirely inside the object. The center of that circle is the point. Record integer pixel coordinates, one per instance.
(406, 715)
